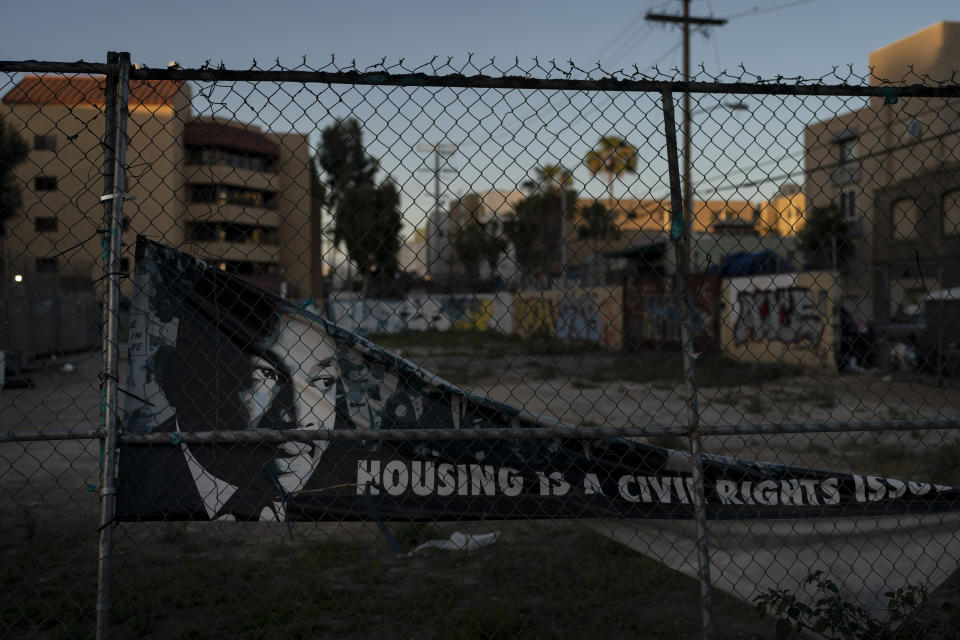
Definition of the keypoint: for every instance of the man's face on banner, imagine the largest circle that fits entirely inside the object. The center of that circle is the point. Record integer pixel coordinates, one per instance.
(300, 361)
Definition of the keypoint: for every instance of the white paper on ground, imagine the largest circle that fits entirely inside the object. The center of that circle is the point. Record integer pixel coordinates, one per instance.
(459, 541)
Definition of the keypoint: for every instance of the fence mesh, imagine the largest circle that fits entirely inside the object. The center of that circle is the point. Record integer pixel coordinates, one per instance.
(514, 231)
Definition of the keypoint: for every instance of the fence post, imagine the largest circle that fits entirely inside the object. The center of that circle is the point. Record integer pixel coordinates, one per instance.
(679, 234)
(115, 138)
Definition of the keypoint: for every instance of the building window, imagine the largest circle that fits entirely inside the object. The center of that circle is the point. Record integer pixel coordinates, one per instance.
(847, 148)
(951, 213)
(45, 183)
(227, 194)
(45, 225)
(848, 208)
(229, 157)
(231, 232)
(46, 265)
(244, 268)
(45, 143)
(847, 169)
(906, 217)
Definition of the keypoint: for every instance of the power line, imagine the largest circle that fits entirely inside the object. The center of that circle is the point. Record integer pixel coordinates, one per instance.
(622, 33)
(758, 9)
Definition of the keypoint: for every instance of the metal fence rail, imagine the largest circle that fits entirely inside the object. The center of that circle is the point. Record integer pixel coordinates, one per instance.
(518, 242)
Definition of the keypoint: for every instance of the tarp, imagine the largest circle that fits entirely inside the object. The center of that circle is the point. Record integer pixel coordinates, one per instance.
(741, 264)
(210, 351)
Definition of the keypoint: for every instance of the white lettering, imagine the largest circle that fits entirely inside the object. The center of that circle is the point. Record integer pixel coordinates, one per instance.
(624, 487)
(559, 486)
(662, 488)
(423, 477)
(766, 492)
(831, 491)
(483, 480)
(591, 484)
(446, 482)
(727, 492)
(368, 471)
(511, 482)
(395, 477)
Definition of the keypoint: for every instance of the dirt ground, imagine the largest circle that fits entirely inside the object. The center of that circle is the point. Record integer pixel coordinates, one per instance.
(49, 504)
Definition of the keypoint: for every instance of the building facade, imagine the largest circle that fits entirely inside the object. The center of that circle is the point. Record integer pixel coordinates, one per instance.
(890, 169)
(221, 190)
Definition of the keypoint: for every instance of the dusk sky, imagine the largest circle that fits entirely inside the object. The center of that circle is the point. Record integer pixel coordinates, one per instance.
(770, 37)
(789, 38)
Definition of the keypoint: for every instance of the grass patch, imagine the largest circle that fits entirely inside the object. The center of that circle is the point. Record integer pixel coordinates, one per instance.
(923, 463)
(537, 581)
(712, 370)
(489, 344)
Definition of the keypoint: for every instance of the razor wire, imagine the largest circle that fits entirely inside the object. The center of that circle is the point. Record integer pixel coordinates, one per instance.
(798, 314)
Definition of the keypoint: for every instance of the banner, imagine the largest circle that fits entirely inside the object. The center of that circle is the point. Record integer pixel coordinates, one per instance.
(211, 352)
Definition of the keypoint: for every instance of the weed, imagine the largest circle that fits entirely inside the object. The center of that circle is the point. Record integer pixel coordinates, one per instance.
(828, 615)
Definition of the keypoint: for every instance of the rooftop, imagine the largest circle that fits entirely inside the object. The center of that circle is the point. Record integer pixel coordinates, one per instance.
(74, 90)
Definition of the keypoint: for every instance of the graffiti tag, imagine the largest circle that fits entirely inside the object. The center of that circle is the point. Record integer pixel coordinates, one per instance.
(786, 314)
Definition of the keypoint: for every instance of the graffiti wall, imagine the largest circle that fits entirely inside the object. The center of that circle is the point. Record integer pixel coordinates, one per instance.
(484, 312)
(785, 318)
(582, 315)
(654, 312)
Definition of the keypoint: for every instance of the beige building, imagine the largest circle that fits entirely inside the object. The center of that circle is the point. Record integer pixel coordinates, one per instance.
(218, 189)
(891, 168)
(782, 215)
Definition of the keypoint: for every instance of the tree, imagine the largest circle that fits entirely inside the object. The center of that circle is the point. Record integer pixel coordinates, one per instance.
(549, 178)
(366, 215)
(612, 156)
(825, 238)
(13, 151)
(478, 242)
(536, 227)
(597, 225)
(369, 223)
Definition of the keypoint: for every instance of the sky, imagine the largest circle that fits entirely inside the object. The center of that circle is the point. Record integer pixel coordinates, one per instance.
(770, 37)
(790, 38)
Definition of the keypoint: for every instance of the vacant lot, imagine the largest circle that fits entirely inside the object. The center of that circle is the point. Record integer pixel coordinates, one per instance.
(540, 579)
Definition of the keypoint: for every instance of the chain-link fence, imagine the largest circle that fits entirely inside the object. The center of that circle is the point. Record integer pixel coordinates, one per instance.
(477, 351)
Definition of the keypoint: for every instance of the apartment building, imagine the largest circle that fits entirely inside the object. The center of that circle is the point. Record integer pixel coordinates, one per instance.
(222, 190)
(892, 169)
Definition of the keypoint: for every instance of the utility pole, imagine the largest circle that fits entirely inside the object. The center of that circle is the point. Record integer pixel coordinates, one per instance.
(683, 271)
(686, 20)
(435, 230)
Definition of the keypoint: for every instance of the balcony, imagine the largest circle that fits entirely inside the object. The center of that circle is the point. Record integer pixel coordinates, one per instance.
(214, 212)
(233, 176)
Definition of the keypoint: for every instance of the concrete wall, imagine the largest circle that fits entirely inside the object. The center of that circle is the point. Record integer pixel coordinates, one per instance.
(483, 312)
(654, 311)
(786, 318)
(583, 315)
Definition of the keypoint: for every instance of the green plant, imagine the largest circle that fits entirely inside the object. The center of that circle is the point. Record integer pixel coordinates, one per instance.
(829, 615)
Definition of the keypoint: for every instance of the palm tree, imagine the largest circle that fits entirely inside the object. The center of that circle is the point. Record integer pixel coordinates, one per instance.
(612, 156)
(548, 178)
(598, 224)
